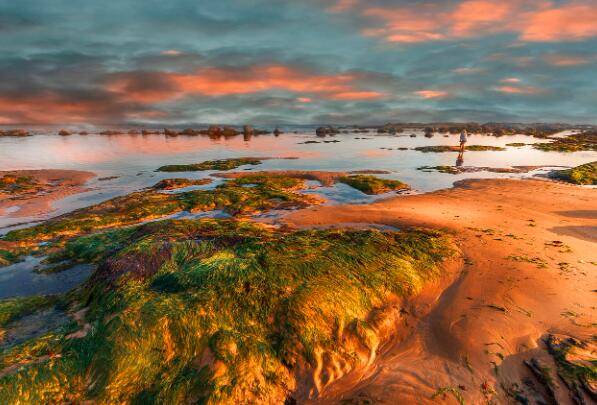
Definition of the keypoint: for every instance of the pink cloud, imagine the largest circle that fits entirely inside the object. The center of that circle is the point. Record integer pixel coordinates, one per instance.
(430, 94)
(569, 22)
(171, 52)
(517, 89)
(566, 60)
(212, 81)
(510, 80)
(532, 20)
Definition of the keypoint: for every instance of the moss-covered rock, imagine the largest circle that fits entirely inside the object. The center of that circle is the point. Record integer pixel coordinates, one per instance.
(220, 311)
(572, 143)
(584, 174)
(172, 184)
(371, 184)
(449, 148)
(222, 164)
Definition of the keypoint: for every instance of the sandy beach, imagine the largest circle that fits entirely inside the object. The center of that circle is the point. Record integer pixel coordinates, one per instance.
(528, 269)
(51, 185)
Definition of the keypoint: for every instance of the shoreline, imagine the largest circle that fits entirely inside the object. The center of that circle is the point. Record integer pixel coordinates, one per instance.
(50, 185)
(527, 261)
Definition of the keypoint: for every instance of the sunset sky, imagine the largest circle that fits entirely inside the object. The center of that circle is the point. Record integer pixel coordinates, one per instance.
(297, 62)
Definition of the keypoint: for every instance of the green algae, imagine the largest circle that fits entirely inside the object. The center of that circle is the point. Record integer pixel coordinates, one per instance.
(371, 184)
(172, 184)
(440, 169)
(573, 143)
(221, 165)
(233, 197)
(584, 174)
(516, 144)
(219, 311)
(12, 309)
(449, 148)
(10, 183)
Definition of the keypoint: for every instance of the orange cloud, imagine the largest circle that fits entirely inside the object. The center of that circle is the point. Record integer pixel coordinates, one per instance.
(567, 23)
(518, 89)
(566, 60)
(532, 20)
(429, 94)
(53, 107)
(153, 87)
(510, 80)
(342, 5)
(171, 52)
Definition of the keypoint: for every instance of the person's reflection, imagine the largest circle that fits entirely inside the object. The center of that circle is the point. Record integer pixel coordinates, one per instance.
(460, 159)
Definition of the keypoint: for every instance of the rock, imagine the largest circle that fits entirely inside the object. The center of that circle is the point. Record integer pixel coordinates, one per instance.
(14, 132)
(64, 132)
(148, 132)
(277, 132)
(327, 130)
(170, 132)
(248, 130)
(110, 133)
(188, 131)
(83, 133)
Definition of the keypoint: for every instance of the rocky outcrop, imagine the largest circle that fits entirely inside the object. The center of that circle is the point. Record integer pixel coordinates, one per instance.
(14, 132)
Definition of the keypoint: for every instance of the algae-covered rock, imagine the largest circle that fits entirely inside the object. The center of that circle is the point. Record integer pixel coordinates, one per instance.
(222, 164)
(584, 174)
(220, 311)
(372, 185)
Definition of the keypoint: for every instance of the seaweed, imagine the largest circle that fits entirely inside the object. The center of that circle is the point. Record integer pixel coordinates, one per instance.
(449, 148)
(222, 165)
(583, 175)
(219, 311)
(371, 184)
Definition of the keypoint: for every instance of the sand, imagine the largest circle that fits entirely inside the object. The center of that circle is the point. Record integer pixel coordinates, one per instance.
(55, 184)
(512, 286)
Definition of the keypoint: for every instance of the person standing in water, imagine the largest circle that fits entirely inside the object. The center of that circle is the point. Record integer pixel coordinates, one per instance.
(463, 139)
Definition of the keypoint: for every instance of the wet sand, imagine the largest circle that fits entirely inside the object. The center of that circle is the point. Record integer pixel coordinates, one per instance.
(53, 185)
(513, 286)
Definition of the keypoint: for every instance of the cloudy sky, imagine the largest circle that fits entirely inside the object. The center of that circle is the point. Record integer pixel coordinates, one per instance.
(297, 61)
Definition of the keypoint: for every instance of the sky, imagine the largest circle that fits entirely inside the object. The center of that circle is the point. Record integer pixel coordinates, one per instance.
(281, 62)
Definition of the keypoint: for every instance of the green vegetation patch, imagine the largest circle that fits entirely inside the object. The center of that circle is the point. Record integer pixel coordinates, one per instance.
(440, 169)
(221, 311)
(172, 184)
(221, 165)
(238, 196)
(516, 144)
(371, 184)
(572, 143)
(12, 309)
(10, 183)
(584, 174)
(575, 361)
(449, 148)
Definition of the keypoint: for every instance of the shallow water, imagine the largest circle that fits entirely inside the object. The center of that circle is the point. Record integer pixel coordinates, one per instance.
(20, 279)
(134, 158)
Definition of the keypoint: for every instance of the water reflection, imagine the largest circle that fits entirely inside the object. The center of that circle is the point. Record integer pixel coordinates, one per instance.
(134, 158)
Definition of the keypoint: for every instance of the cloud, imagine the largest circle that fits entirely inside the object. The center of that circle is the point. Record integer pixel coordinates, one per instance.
(531, 20)
(430, 94)
(570, 22)
(564, 60)
(51, 107)
(518, 89)
(510, 80)
(151, 87)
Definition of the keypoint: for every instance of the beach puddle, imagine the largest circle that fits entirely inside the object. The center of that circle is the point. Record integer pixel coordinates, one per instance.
(21, 280)
(32, 326)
